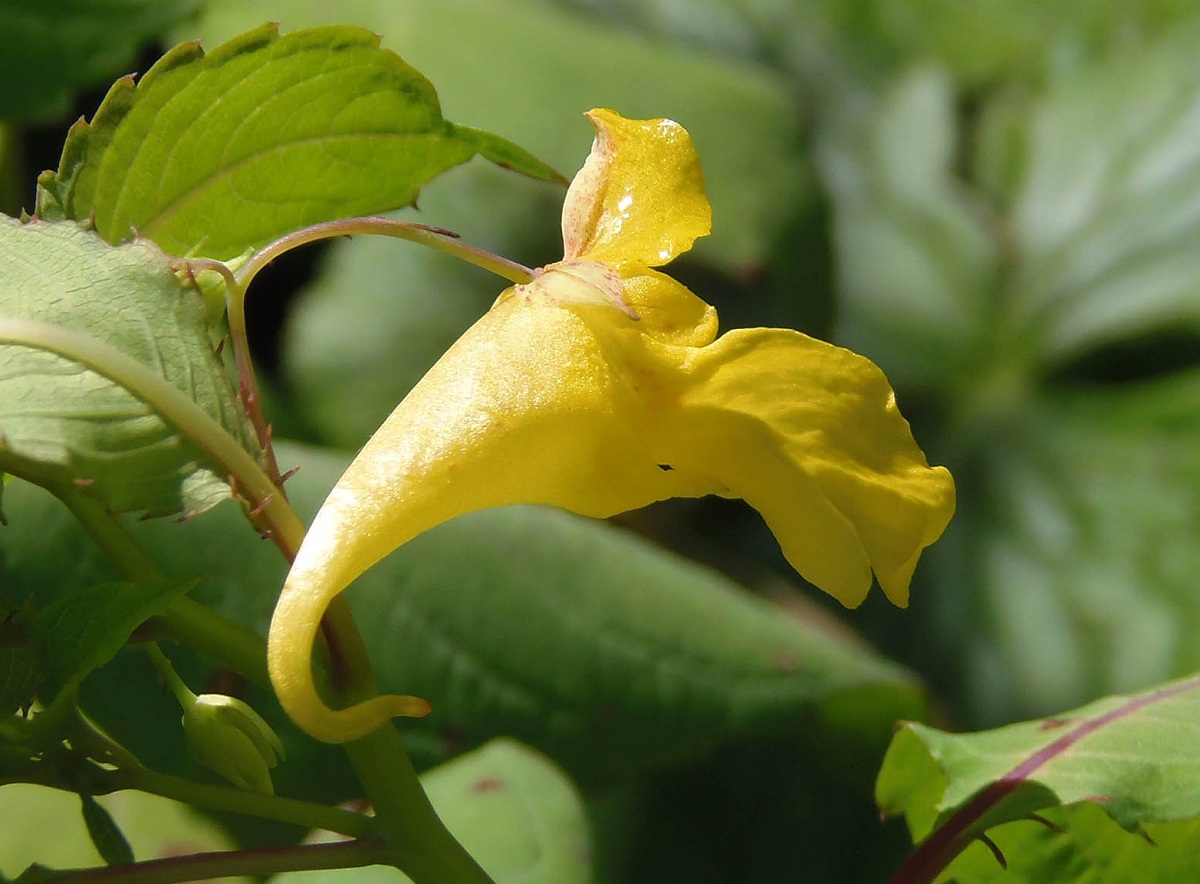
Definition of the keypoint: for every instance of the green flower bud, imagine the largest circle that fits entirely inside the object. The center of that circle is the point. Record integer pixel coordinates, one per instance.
(227, 736)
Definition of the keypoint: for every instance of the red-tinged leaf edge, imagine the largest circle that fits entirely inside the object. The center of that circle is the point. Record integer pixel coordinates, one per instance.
(982, 811)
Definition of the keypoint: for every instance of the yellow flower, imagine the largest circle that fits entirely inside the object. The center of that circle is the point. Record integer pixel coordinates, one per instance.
(601, 386)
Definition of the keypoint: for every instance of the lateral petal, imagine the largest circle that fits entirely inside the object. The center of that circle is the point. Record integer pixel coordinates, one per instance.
(809, 435)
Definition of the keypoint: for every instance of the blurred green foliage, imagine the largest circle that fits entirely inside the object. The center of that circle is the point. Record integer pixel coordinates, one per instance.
(998, 202)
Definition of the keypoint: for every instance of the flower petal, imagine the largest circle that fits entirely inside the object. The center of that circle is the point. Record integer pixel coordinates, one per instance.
(810, 436)
(522, 409)
(639, 198)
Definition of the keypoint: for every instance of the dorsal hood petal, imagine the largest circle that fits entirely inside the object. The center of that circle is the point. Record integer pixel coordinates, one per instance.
(639, 198)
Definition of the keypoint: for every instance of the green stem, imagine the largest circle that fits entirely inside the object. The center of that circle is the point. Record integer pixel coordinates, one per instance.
(133, 775)
(229, 644)
(167, 671)
(188, 622)
(240, 863)
(305, 814)
(434, 237)
(422, 846)
(173, 406)
(235, 300)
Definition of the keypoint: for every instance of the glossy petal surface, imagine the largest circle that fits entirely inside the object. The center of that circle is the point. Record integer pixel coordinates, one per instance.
(639, 198)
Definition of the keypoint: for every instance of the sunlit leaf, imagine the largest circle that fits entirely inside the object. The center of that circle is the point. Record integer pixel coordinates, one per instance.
(216, 152)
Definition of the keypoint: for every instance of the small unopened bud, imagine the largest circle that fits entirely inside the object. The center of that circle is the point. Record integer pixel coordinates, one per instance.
(227, 736)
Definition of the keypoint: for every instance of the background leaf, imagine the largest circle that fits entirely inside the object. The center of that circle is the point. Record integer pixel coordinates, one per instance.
(606, 652)
(917, 261)
(1037, 300)
(51, 49)
(59, 419)
(1136, 756)
(978, 43)
(214, 153)
(1105, 217)
(513, 810)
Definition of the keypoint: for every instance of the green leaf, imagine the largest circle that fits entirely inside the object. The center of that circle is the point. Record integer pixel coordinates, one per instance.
(1087, 848)
(382, 312)
(51, 50)
(59, 421)
(213, 153)
(1096, 240)
(603, 650)
(510, 807)
(82, 631)
(110, 843)
(1136, 756)
(986, 42)
(531, 71)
